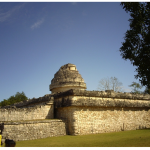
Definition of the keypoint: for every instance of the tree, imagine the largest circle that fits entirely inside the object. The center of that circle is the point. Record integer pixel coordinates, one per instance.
(110, 84)
(14, 99)
(146, 91)
(136, 87)
(136, 46)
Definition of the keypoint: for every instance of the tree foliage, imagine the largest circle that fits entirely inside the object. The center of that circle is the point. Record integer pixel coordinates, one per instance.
(136, 87)
(147, 90)
(111, 83)
(136, 46)
(18, 97)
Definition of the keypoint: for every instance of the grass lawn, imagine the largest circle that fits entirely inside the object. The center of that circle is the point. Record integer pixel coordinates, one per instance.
(135, 138)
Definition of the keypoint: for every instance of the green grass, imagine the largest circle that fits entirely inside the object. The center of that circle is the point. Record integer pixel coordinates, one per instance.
(136, 138)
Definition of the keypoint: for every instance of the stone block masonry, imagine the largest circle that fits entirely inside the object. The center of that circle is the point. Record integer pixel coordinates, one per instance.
(92, 120)
(28, 113)
(30, 130)
(79, 111)
(90, 112)
(36, 108)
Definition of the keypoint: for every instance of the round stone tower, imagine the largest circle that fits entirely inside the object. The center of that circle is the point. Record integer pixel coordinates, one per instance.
(66, 78)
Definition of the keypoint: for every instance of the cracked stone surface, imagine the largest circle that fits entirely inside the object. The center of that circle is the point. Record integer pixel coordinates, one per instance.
(67, 77)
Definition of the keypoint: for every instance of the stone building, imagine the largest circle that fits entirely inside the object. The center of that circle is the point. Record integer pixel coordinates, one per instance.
(71, 109)
(66, 78)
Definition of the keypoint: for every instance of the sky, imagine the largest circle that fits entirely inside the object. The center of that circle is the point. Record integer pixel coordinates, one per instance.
(37, 38)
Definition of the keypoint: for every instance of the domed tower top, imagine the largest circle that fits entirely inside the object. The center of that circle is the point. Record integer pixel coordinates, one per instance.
(66, 78)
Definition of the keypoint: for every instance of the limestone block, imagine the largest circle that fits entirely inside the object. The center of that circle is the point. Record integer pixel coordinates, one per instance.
(29, 130)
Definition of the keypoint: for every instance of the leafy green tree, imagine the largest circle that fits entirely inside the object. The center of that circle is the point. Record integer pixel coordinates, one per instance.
(136, 87)
(147, 91)
(18, 97)
(136, 46)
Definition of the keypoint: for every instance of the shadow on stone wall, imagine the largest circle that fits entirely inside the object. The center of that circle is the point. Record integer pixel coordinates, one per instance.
(1, 127)
(143, 128)
(50, 114)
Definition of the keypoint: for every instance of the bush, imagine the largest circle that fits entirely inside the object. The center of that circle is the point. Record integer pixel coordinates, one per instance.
(18, 97)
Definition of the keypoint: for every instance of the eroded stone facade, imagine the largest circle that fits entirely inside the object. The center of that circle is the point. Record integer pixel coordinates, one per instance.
(30, 130)
(86, 112)
(28, 113)
(92, 120)
(36, 108)
(79, 111)
(67, 77)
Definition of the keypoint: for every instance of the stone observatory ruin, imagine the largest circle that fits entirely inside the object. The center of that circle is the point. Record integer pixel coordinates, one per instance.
(66, 78)
(72, 110)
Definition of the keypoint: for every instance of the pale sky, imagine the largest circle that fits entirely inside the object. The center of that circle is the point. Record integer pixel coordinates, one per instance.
(36, 39)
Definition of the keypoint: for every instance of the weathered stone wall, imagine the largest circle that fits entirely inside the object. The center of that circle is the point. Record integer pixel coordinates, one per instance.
(99, 101)
(66, 78)
(100, 120)
(91, 120)
(62, 89)
(89, 112)
(103, 94)
(43, 111)
(67, 114)
(29, 130)
(84, 112)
